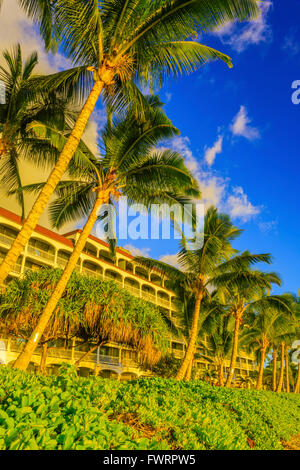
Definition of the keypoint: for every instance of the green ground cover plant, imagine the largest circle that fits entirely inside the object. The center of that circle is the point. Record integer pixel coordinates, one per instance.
(74, 413)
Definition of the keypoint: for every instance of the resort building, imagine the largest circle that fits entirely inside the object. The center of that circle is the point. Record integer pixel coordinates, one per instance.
(49, 249)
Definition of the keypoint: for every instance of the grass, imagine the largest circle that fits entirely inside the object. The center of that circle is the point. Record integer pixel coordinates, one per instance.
(69, 412)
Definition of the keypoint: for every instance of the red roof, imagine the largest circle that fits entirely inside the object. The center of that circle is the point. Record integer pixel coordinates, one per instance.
(38, 229)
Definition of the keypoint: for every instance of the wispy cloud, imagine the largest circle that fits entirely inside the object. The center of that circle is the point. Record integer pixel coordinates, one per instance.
(241, 125)
(290, 43)
(16, 27)
(212, 152)
(168, 97)
(268, 227)
(216, 189)
(145, 252)
(239, 207)
(170, 259)
(240, 37)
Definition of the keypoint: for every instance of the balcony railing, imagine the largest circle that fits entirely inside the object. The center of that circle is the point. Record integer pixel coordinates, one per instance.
(91, 273)
(16, 269)
(163, 302)
(37, 253)
(6, 240)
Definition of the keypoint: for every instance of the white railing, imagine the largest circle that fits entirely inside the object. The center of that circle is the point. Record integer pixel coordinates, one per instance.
(6, 240)
(41, 253)
(133, 290)
(163, 302)
(91, 273)
(148, 296)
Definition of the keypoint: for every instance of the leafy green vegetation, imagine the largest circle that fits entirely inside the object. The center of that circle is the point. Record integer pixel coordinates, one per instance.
(67, 412)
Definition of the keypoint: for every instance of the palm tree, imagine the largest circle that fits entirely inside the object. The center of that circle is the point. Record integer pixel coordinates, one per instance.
(267, 323)
(212, 265)
(244, 290)
(129, 166)
(114, 46)
(219, 335)
(24, 105)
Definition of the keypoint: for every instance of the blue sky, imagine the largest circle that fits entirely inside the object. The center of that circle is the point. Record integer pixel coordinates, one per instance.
(239, 130)
(255, 175)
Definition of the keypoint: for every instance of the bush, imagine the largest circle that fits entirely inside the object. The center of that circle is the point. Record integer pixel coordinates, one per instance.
(69, 412)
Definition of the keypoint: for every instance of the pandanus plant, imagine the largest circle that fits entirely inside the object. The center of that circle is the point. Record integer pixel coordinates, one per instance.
(88, 310)
(114, 46)
(129, 166)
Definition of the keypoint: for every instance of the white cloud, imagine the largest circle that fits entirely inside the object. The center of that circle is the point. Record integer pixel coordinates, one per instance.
(170, 259)
(16, 27)
(182, 145)
(168, 97)
(239, 207)
(241, 125)
(145, 252)
(290, 42)
(211, 153)
(257, 31)
(216, 190)
(267, 227)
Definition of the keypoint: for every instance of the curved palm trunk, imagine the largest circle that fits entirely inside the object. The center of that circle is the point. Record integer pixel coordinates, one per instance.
(274, 375)
(297, 386)
(235, 346)
(43, 358)
(261, 369)
(54, 178)
(189, 371)
(280, 383)
(221, 373)
(287, 377)
(193, 338)
(24, 358)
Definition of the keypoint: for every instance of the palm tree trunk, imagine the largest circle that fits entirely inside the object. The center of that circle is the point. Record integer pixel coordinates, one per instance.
(24, 358)
(54, 178)
(189, 371)
(287, 378)
(221, 373)
(274, 376)
(261, 369)
(280, 383)
(43, 358)
(234, 350)
(297, 386)
(193, 338)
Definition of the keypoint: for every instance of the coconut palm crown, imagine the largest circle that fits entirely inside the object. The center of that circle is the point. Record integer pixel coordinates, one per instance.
(115, 45)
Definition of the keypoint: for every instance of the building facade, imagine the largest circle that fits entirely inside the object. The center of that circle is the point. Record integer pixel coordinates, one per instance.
(49, 249)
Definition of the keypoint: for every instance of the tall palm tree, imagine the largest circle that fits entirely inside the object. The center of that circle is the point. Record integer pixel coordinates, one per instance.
(219, 337)
(243, 291)
(201, 269)
(116, 45)
(24, 105)
(129, 166)
(268, 322)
